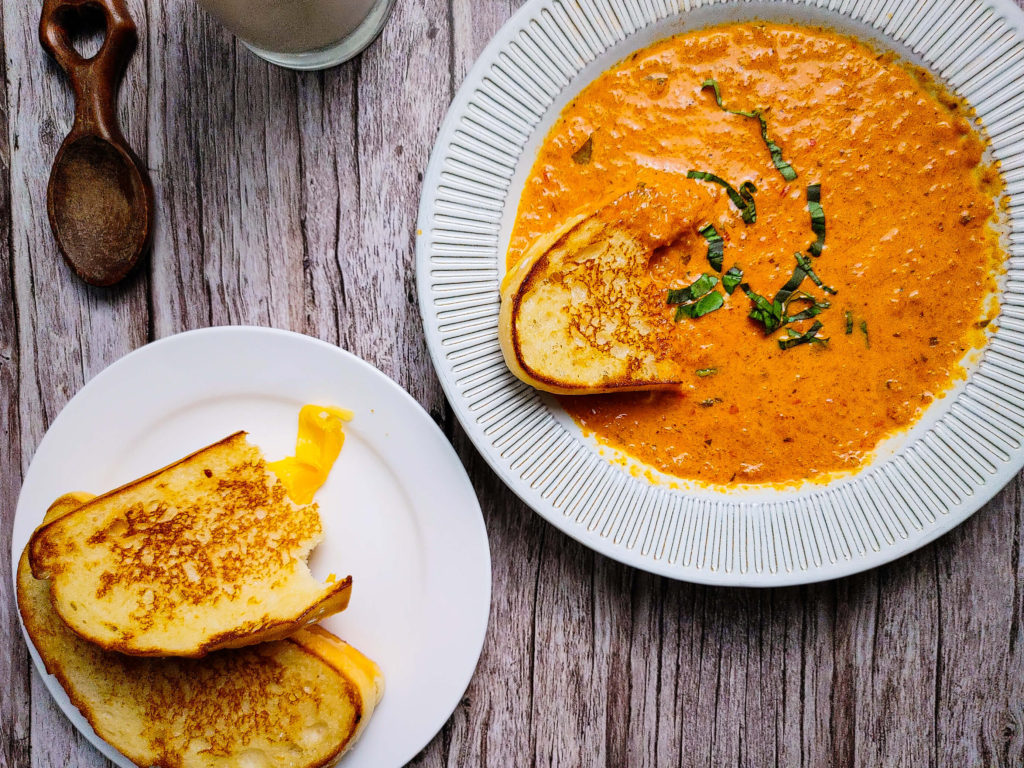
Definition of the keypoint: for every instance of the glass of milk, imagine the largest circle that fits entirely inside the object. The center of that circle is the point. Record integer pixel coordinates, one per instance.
(303, 34)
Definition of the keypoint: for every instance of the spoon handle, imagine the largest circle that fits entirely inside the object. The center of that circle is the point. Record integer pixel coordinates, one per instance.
(95, 80)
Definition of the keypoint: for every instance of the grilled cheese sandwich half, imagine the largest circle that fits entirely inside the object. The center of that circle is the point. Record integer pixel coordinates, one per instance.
(205, 554)
(581, 312)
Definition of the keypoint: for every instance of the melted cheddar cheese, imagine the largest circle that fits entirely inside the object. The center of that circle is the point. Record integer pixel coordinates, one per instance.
(319, 441)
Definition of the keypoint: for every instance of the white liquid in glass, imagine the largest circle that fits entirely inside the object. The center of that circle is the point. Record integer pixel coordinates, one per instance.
(290, 26)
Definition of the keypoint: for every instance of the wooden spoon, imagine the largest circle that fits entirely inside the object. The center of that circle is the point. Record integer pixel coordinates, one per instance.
(100, 198)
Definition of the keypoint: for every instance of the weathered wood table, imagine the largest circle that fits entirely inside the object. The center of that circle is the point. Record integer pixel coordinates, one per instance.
(289, 200)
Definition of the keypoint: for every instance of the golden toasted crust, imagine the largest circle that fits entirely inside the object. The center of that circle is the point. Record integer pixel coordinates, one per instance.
(207, 553)
(580, 313)
(300, 702)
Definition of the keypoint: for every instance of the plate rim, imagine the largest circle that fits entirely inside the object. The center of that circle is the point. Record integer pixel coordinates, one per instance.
(481, 622)
(785, 575)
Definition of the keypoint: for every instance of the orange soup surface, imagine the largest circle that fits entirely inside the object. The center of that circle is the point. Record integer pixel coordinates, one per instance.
(910, 249)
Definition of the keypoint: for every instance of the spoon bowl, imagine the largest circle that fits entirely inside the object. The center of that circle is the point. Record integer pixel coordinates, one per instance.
(98, 205)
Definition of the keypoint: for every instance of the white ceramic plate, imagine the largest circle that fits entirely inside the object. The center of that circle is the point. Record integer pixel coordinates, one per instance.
(399, 512)
(966, 447)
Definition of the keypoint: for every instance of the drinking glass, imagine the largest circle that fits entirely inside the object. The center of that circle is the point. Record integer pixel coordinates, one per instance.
(303, 34)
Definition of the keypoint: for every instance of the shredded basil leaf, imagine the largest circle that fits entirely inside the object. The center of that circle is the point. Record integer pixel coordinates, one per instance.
(864, 330)
(678, 295)
(743, 200)
(816, 308)
(805, 264)
(705, 372)
(698, 288)
(774, 149)
(582, 155)
(774, 314)
(703, 306)
(698, 299)
(768, 313)
(716, 247)
(799, 273)
(849, 322)
(810, 337)
(817, 218)
(731, 279)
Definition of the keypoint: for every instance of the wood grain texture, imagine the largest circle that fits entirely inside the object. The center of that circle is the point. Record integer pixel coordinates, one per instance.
(66, 332)
(289, 200)
(15, 698)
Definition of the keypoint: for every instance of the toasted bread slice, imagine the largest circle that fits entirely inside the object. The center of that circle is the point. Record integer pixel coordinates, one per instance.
(581, 313)
(298, 702)
(207, 553)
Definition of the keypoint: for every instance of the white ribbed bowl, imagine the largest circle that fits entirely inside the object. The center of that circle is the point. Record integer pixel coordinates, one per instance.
(921, 484)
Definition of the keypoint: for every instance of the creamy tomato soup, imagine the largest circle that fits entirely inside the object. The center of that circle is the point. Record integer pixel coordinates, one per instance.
(910, 248)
